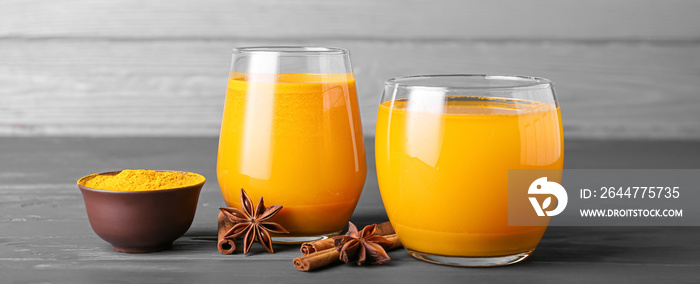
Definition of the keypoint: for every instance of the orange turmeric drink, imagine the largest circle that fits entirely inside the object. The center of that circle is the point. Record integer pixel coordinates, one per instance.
(296, 140)
(443, 171)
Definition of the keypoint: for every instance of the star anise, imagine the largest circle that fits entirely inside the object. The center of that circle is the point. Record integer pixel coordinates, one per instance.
(363, 246)
(251, 223)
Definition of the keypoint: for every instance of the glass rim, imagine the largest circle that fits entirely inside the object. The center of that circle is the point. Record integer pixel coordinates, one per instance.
(291, 50)
(518, 82)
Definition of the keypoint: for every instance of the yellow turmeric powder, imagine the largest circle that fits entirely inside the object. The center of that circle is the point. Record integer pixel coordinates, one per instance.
(141, 180)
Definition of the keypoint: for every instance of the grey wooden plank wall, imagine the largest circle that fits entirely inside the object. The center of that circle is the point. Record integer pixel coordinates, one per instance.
(622, 69)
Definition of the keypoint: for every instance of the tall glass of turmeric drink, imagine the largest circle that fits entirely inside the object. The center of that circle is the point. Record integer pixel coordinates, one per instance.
(291, 133)
(444, 145)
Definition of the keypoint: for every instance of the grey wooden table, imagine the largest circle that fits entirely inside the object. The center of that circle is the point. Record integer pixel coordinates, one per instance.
(45, 236)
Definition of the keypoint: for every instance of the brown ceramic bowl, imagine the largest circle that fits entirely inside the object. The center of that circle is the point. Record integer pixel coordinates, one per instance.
(140, 221)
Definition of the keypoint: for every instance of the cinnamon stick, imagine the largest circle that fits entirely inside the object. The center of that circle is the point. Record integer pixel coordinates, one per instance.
(307, 248)
(384, 229)
(320, 245)
(327, 256)
(317, 259)
(225, 246)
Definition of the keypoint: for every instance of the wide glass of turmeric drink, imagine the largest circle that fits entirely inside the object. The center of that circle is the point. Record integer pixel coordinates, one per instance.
(291, 133)
(444, 145)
